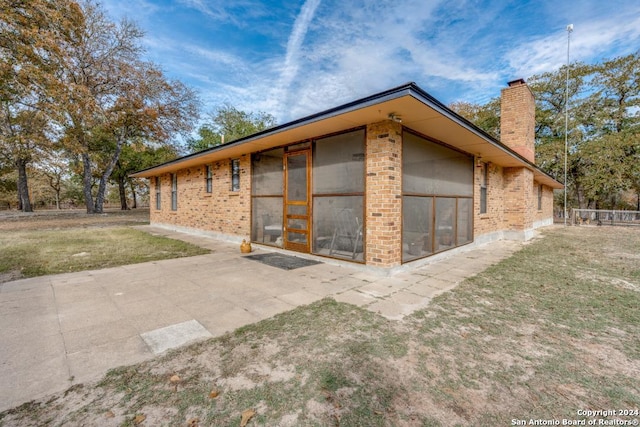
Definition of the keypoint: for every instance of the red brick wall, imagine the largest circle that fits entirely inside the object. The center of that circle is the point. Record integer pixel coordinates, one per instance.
(221, 211)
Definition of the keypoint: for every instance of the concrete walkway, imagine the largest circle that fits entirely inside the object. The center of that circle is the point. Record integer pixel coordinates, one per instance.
(65, 329)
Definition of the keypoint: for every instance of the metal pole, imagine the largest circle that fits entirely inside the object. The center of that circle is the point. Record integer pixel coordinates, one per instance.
(566, 122)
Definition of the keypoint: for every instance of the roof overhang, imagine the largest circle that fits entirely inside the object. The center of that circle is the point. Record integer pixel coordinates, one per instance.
(416, 109)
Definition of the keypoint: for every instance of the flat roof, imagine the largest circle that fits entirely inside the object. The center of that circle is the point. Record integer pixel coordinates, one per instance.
(417, 109)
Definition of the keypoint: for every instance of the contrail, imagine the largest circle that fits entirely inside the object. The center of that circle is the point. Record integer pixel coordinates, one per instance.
(300, 27)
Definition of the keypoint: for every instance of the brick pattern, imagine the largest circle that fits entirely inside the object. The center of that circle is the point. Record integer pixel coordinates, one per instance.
(222, 211)
(383, 210)
(547, 203)
(512, 200)
(520, 202)
(518, 119)
(512, 193)
(494, 218)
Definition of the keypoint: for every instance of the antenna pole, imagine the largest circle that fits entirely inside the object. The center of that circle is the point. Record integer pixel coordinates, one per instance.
(566, 121)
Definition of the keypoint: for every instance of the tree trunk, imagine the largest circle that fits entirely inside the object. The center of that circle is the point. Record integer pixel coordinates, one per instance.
(123, 193)
(102, 187)
(580, 197)
(54, 183)
(133, 194)
(87, 181)
(23, 186)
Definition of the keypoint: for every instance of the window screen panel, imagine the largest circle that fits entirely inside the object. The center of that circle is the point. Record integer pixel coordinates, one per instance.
(464, 228)
(267, 220)
(445, 223)
(338, 226)
(267, 173)
(417, 233)
(432, 169)
(297, 178)
(338, 164)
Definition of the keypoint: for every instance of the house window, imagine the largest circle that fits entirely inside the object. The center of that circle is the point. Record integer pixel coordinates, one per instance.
(174, 192)
(540, 197)
(235, 175)
(209, 179)
(158, 201)
(484, 179)
(437, 197)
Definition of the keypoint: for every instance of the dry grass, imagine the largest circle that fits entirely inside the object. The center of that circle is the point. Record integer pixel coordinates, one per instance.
(63, 219)
(550, 331)
(61, 241)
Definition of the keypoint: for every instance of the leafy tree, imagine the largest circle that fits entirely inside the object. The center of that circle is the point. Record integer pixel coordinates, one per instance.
(31, 35)
(8, 187)
(110, 97)
(603, 128)
(229, 124)
(23, 138)
(617, 82)
(134, 157)
(486, 117)
(54, 169)
(550, 92)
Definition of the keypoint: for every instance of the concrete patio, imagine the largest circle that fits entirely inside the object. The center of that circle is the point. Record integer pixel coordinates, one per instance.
(57, 331)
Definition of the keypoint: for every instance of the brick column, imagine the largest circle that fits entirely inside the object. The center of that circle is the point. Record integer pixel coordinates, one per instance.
(519, 209)
(383, 210)
(518, 119)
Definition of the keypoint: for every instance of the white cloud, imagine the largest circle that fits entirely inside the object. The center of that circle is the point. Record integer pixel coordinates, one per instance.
(214, 10)
(326, 52)
(591, 40)
(234, 12)
(359, 48)
(140, 9)
(291, 64)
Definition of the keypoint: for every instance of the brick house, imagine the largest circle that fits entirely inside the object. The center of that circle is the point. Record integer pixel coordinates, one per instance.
(390, 179)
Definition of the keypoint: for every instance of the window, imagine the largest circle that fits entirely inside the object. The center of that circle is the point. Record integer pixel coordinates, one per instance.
(209, 179)
(437, 201)
(158, 201)
(174, 192)
(540, 197)
(235, 175)
(484, 179)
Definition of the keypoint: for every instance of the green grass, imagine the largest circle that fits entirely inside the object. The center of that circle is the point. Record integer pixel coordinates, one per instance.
(541, 335)
(42, 252)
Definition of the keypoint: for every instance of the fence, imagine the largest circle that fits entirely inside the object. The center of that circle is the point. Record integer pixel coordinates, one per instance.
(604, 217)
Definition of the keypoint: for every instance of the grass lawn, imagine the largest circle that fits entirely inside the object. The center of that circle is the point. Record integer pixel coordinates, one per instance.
(551, 331)
(62, 242)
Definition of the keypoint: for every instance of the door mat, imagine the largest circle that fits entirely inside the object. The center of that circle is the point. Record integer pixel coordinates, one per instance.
(285, 262)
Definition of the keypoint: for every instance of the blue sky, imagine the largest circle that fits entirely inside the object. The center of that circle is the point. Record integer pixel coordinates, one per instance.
(294, 58)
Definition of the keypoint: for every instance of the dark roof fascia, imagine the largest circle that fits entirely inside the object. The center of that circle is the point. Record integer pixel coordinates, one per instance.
(394, 93)
(452, 115)
(410, 88)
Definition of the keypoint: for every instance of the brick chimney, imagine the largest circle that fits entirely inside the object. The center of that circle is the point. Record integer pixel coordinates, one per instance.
(518, 119)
